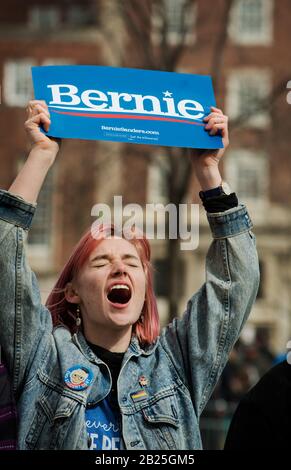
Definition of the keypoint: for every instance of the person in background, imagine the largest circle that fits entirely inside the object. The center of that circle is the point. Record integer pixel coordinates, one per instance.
(262, 419)
(8, 418)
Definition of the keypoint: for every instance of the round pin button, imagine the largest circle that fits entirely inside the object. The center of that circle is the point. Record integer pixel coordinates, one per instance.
(78, 377)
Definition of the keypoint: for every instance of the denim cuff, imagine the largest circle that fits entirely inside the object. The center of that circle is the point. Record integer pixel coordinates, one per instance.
(15, 210)
(230, 223)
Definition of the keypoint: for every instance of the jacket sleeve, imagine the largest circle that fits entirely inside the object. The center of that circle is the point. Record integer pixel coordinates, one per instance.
(199, 342)
(24, 323)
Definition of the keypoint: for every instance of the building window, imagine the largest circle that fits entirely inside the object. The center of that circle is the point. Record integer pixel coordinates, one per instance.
(174, 20)
(41, 230)
(247, 173)
(251, 22)
(248, 91)
(77, 15)
(17, 82)
(44, 17)
(157, 181)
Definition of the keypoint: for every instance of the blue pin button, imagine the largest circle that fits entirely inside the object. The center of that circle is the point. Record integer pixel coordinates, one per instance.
(78, 377)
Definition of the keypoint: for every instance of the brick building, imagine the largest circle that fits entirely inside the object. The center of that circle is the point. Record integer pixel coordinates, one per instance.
(254, 67)
(43, 33)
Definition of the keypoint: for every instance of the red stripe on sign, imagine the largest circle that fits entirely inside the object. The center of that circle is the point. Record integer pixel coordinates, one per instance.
(126, 116)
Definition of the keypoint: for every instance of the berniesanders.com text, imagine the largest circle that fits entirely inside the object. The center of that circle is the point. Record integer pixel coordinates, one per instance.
(124, 129)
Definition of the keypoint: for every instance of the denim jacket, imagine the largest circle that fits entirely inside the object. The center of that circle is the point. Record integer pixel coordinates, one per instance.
(181, 367)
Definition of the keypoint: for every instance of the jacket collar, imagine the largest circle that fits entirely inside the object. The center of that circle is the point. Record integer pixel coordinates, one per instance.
(138, 350)
(101, 386)
(134, 348)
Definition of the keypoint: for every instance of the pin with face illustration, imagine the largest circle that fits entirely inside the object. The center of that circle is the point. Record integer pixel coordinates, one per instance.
(78, 377)
(143, 381)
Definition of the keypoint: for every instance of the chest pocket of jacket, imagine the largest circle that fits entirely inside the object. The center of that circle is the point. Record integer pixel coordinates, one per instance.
(161, 419)
(50, 421)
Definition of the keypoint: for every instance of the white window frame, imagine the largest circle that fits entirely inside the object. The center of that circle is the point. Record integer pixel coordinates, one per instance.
(174, 37)
(260, 78)
(57, 61)
(11, 75)
(260, 37)
(239, 159)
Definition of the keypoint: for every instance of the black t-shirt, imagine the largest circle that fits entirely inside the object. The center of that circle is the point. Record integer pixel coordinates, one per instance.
(103, 421)
(113, 360)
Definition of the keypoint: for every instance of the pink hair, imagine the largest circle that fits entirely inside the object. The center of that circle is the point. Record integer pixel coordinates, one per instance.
(147, 328)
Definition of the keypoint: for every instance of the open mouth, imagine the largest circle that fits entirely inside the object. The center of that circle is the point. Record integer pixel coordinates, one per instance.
(119, 294)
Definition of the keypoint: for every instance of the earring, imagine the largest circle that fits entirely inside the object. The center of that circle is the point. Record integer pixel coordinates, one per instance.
(78, 318)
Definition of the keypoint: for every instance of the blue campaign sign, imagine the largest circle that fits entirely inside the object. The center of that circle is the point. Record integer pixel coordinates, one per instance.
(127, 105)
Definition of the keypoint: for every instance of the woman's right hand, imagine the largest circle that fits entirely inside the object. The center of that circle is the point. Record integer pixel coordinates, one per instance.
(38, 115)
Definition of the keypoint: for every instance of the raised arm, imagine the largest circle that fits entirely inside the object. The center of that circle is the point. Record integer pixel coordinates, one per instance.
(198, 344)
(42, 155)
(25, 324)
